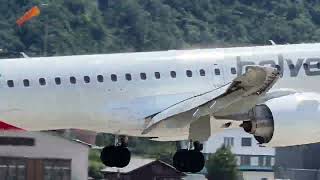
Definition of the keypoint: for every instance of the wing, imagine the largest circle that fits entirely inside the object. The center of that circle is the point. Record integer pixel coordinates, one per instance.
(245, 89)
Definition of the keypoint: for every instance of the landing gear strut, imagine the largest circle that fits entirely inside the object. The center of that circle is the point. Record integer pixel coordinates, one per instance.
(116, 155)
(189, 160)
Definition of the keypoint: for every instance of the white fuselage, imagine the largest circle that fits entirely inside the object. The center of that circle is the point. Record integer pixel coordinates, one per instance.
(120, 106)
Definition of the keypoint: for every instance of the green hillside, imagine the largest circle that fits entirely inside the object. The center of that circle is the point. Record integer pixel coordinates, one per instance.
(104, 26)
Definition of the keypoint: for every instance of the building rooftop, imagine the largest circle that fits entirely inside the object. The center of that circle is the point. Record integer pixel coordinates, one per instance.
(135, 163)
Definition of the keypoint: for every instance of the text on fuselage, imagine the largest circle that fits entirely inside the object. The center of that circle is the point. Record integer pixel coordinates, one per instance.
(311, 66)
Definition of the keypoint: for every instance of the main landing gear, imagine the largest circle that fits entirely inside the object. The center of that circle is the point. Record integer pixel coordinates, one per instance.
(187, 160)
(116, 155)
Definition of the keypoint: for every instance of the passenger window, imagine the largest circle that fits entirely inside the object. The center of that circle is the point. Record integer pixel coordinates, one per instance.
(42, 81)
(305, 66)
(128, 77)
(73, 80)
(173, 74)
(157, 75)
(26, 83)
(189, 73)
(202, 72)
(86, 79)
(114, 77)
(57, 80)
(100, 78)
(143, 76)
(10, 83)
(217, 71)
(233, 71)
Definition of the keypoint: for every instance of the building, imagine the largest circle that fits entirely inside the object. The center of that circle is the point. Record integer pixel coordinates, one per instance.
(40, 156)
(141, 168)
(298, 162)
(255, 162)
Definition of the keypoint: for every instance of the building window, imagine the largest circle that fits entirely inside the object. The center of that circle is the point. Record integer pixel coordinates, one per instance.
(10, 83)
(217, 71)
(13, 168)
(202, 72)
(246, 142)
(143, 76)
(173, 74)
(114, 77)
(57, 80)
(254, 160)
(268, 161)
(233, 71)
(228, 141)
(157, 75)
(16, 141)
(100, 78)
(73, 80)
(26, 83)
(265, 161)
(245, 160)
(189, 73)
(86, 79)
(128, 77)
(42, 81)
(56, 169)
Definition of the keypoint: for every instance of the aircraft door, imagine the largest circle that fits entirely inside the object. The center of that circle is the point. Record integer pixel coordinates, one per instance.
(218, 75)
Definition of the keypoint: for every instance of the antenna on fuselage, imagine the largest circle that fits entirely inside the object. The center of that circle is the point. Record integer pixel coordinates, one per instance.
(24, 55)
(272, 42)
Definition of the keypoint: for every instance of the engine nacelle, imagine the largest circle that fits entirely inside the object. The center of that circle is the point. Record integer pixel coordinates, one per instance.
(286, 121)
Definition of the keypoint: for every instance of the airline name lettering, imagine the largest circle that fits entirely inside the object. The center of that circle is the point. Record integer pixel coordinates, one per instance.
(310, 65)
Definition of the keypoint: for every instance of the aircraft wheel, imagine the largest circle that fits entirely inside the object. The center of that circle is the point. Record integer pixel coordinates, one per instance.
(188, 160)
(115, 156)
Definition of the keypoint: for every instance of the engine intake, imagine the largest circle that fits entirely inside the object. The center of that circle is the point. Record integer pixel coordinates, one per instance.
(286, 121)
(261, 123)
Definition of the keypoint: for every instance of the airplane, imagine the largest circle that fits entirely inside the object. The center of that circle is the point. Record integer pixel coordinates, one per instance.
(271, 92)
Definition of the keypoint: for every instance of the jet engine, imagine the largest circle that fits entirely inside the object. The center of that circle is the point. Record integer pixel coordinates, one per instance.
(286, 121)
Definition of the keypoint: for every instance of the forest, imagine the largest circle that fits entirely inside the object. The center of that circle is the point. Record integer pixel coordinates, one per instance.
(68, 27)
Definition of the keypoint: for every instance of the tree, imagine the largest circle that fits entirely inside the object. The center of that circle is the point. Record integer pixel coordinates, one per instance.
(95, 165)
(222, 165)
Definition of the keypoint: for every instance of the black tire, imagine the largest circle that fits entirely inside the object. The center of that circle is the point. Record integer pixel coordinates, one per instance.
(180, 160)
(108, 155)
(196, 161)
(123, 157)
